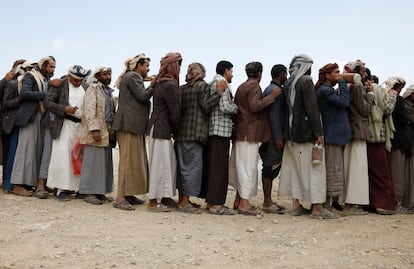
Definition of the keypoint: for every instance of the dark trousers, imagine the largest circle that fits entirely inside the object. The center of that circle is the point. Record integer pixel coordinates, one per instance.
(381, 191)
(217, 169)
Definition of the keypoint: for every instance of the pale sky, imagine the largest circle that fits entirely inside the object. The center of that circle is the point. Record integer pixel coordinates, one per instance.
(93, 33)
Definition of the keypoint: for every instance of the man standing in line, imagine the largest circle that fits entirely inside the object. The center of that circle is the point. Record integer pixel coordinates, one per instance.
(299, 179)
(251, 128)
(356, 185)
(26, 167)
(65, 107)
(333, 105)
(218, 144)
(131, 122)
(271, 151)
(97, 116)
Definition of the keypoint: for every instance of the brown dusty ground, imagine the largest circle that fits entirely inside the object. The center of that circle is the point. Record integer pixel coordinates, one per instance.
(50, 234)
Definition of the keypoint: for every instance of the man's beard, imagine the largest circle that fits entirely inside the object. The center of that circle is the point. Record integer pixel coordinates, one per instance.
(106, 82)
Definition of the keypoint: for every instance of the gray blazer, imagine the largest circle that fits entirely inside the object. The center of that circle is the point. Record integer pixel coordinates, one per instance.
(134, 105)
(30, 97)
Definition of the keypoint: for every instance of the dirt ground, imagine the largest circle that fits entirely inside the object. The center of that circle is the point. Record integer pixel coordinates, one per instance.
(50, 234)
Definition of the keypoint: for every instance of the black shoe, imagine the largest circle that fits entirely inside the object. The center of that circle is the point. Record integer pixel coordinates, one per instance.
(337, 206)
(134, 200)
(63, 197)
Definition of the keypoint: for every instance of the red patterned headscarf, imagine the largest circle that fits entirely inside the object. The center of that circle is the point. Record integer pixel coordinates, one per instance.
(170, 67)
(326, 69)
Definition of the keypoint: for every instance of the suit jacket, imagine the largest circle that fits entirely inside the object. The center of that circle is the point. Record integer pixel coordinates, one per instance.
(252, 119)
(55, 102)
(306, 125)
(360, 106)
(134, 105)
(166, 111)
(30, 98)
(11, 103)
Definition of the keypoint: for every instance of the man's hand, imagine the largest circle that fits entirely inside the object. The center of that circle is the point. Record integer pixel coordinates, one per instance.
(56, 83)
(276, 92)
(70, 109)
(221, 85)
(96, 135)
(279, 144)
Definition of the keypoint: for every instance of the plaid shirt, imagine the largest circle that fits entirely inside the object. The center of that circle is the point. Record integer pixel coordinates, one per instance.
(196, 105)
(383, 107)
(221, 117)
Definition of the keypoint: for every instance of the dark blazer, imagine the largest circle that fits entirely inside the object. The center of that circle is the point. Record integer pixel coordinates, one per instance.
(306, 125)
(333, 106)
(360, 106)
(55, 102)
(11, 103)
(166, 110)
(134, 105)
(252, 119)
(402, 133)
(30, 97)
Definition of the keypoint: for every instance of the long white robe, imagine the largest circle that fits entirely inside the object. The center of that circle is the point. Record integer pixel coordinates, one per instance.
(60, 167)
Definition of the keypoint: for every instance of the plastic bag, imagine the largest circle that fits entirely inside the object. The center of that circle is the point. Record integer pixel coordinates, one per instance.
(76, 157)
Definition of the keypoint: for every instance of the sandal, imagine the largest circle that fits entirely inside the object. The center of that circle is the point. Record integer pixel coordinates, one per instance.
(159, 208)
(249, 212)
(41, 193)
(381, 211)
(274, 208)
(123, 205)
(21, 191)
(300, 211)
(92, 199)
(221, 210)
(134, 200)
(325, 214)
(105, 199)
(189, 208)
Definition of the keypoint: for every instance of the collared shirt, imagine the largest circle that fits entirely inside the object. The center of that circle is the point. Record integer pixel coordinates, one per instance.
(221, 122)
(109, 104)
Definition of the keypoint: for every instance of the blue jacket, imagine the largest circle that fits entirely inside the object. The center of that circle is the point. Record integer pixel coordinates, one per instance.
(333, 106)
(276, 114)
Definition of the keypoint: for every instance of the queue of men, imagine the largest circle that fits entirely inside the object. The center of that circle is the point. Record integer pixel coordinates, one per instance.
(200, 138)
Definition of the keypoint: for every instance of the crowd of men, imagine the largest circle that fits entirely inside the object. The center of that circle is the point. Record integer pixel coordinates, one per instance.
(200, 138)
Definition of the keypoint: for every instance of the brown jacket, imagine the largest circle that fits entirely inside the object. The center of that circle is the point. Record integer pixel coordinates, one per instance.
(252, 120)
(166, 111)
(359, 109)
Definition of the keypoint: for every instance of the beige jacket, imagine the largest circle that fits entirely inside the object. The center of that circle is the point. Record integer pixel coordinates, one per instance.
(93, 116)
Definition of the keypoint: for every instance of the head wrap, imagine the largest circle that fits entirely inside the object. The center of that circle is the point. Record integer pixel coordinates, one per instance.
(100, 69)
(42, 61)
(195, 72)
(27, 64)
(129, 65)
(78, 72)
(170, 67)
(408, 91)
(18, 70)
(351, 66)
(391, 81)
(91, 79)
(326, 69)
(299, 65)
